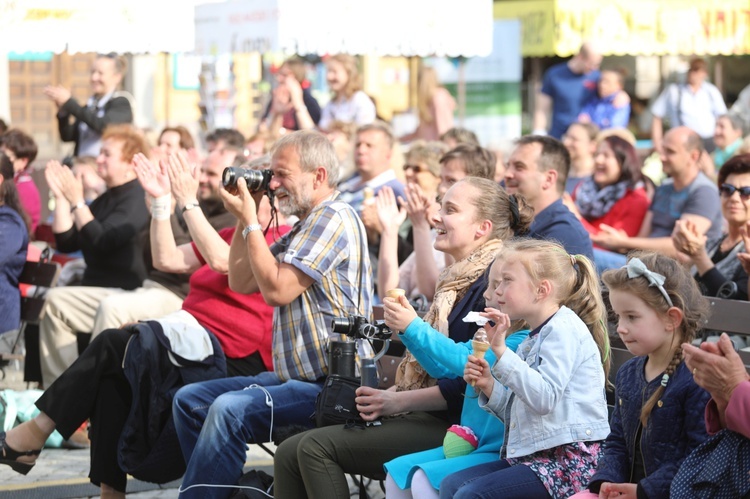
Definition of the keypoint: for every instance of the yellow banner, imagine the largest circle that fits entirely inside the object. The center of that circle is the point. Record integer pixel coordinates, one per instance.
(681, 27)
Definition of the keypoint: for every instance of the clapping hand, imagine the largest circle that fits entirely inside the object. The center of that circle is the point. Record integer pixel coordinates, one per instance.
(389, 214)
(418, 206)
(183, 177)
(57, 93)
(716, 367)
(687, 239)
(63, 184)
(154, 179)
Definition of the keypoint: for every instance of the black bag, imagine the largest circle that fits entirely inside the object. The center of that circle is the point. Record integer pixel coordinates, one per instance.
(335, 403)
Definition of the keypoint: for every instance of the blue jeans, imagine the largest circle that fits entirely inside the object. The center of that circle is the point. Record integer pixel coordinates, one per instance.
(216, 419)
(606, 260)
(495, 479)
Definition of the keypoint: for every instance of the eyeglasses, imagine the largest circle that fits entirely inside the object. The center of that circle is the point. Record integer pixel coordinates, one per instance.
(728, 190)
(417, 169)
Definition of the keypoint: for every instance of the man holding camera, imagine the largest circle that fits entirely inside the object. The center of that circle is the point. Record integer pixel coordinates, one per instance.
(315, 273)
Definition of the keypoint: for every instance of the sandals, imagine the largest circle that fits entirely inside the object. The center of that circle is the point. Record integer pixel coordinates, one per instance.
(10, 456)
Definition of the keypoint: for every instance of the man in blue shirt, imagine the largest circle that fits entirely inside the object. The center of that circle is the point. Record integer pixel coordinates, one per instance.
(538, 169)
(566, 87)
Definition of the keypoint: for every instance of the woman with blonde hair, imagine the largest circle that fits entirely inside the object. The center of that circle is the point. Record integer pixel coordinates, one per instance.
(435, 106)
(475, 219)
(348, 102)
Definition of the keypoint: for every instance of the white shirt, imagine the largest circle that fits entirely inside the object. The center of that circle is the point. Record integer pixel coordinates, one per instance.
(695, 110)
(89, 141)
(358, 109)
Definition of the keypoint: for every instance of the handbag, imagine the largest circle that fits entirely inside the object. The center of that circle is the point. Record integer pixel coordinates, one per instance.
(716, 469)
(335, 402)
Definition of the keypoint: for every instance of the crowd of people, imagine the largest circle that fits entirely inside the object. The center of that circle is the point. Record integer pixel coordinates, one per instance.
(208, 299)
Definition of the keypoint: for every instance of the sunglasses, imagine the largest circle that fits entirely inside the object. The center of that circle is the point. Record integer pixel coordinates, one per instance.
(728, 190)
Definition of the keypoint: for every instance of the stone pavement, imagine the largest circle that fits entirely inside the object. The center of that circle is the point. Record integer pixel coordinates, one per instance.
(61, 473)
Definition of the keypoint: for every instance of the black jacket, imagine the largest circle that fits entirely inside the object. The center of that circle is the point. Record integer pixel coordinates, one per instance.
(149, 449)
(111, 242)
(116, 110)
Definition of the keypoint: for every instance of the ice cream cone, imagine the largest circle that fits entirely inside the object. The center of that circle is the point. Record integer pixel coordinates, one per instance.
(479, 348)
(395, 293)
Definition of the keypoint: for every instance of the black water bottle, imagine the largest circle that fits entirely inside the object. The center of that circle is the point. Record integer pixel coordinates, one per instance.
(369, 373)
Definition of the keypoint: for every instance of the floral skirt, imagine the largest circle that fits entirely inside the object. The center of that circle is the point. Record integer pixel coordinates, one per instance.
(564, 470)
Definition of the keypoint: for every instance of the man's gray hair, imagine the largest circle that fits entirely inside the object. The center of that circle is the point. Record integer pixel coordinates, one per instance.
(314, 150)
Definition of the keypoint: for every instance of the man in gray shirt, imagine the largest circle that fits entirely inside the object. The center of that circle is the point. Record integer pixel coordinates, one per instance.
(687, 195)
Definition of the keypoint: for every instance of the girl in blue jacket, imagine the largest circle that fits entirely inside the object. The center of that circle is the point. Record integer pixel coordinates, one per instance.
(550, 393)
(419, 474)
(658, 417)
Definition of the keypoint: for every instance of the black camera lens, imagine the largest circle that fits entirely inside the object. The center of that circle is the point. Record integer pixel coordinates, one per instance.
(342, 325)
(256, 180)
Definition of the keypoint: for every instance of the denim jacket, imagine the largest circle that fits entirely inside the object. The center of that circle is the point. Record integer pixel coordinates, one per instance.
(558, 382)
(675, 428)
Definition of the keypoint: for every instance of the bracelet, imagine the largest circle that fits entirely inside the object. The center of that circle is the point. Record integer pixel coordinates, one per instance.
(161, 207)
(250, 228)
(80, 204)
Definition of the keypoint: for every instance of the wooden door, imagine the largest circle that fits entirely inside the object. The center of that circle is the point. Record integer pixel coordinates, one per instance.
(34, 112)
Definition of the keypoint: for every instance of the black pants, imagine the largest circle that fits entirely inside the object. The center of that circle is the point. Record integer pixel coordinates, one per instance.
(94, 387)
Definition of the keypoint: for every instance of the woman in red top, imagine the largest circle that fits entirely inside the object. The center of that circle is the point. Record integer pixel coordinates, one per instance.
(615, 194)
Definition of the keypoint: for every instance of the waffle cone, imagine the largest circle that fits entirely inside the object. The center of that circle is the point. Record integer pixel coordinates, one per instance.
(479, 348)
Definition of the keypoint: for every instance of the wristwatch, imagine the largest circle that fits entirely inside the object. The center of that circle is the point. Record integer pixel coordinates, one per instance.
(76, 206)
(189, 206)
(250, 228)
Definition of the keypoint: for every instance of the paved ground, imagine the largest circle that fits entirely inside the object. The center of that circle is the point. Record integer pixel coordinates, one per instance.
(63, 473)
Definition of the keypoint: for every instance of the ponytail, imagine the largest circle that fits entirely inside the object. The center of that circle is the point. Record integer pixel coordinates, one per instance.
(577, 286)
(586, 301)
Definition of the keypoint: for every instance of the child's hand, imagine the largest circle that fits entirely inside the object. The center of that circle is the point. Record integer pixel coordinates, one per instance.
(398, 314)
(496, 334)
(478, 374)
(610, 490)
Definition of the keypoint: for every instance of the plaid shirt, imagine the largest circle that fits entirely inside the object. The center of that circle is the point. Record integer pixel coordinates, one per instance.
(330, 246)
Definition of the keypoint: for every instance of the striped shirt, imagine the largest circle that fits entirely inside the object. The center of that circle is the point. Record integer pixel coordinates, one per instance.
(330, 246)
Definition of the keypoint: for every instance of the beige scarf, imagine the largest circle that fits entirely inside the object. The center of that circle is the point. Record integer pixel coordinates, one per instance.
(453, 283)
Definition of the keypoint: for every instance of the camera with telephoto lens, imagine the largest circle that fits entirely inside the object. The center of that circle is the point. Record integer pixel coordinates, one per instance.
(256, 180)
(358, 327)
